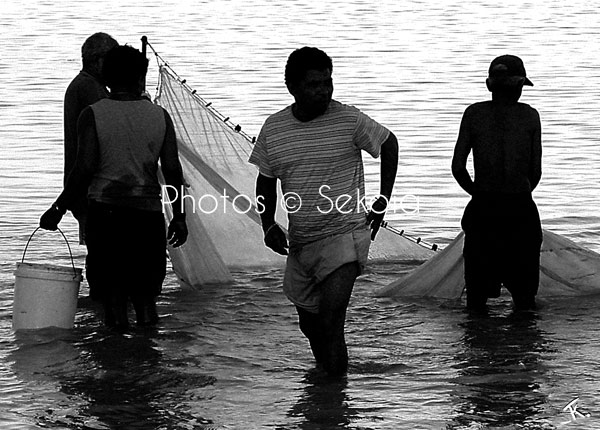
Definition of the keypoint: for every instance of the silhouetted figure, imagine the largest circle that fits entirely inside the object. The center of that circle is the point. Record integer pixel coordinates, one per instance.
(121, 140)
(314, 148)
(502, 226)
(85, 89)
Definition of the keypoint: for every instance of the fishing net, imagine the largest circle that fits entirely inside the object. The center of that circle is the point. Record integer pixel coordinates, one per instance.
(566, 269)
(224, 226)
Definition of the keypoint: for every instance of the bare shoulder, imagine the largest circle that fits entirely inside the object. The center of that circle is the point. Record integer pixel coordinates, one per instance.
(526, 109)
(476, 112)
(479, 108)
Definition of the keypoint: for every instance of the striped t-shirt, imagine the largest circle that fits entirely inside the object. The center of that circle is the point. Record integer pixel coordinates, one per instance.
(320, 167)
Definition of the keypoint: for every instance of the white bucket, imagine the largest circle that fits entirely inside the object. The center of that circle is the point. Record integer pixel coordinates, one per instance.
(45, 295)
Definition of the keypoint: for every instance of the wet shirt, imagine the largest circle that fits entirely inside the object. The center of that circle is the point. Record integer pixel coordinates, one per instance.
(130, 139)
(319, 164)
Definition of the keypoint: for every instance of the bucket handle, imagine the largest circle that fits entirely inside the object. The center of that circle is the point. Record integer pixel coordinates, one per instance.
(66, 241)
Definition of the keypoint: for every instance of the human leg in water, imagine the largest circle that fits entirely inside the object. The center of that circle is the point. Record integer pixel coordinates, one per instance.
(145, 309)
(325, 329)
(336, 290)
(116, 310)
(310, 325)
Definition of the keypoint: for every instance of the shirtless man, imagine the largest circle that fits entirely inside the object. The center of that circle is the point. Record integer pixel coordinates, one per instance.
(502, 226)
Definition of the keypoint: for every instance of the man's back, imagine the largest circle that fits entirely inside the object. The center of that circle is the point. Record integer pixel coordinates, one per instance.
(506, 140)
(503, 137)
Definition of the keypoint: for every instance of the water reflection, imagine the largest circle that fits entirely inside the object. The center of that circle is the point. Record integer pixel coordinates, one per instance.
(424, 71)
(500, 370)
(110, 380)
(323, 404)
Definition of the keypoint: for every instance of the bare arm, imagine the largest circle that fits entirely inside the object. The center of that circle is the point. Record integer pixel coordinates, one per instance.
(266, 195)
(171, 167)
(535, 173)
(173, 173)
(389, 165)
(461, 154)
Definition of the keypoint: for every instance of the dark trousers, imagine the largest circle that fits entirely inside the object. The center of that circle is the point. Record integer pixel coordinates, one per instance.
(503, 236)
(126, 253)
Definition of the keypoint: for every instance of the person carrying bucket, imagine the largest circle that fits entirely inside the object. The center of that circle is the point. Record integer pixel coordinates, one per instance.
(121, 140)
(85, 89)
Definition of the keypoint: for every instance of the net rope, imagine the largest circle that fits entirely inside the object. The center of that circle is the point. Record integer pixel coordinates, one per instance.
(224, 225)
(214, 154)
(566, 269)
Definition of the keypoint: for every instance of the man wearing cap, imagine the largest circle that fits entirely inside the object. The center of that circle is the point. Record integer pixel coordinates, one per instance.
(502, 226)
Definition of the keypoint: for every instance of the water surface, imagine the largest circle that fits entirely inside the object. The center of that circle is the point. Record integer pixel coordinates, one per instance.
(232, 356)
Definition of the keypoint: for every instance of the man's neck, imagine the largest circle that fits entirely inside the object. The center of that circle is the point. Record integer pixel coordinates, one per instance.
(124, 94)
(92, 72)
(299, 114)
(303, 115)
(506, 97)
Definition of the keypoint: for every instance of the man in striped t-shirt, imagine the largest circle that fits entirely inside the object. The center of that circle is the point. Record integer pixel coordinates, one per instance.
(314, 148)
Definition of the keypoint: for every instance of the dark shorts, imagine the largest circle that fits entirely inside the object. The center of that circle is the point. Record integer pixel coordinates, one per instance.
(126, 251)
(503, 236)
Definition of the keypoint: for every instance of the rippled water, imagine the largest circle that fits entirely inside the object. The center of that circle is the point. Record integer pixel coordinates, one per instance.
(232, 356)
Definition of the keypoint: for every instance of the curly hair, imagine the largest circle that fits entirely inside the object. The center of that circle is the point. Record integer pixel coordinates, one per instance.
(302, 60)
(124, 66)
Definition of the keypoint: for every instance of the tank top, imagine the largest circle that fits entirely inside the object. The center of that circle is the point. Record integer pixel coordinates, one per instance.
(130, 139)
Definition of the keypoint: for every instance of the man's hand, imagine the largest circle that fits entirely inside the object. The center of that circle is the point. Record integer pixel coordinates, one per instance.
(50, 219)
(276, 240)
(376, 214)
(177, 232)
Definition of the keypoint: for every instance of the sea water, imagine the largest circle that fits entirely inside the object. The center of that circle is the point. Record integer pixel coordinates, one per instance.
(231, 356)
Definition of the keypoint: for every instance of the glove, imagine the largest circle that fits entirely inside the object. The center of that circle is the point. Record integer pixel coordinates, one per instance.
(177, 233)
(376, 214)
(50, 219)
(276, 240)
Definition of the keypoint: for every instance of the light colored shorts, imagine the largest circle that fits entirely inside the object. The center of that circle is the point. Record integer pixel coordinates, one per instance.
(308, 266)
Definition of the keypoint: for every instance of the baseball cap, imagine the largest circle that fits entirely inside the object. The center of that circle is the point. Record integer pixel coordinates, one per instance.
(508, 70)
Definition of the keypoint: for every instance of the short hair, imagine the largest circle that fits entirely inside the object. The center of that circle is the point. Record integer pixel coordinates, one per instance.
(124, 66)
(95, 47)
(304, 59)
